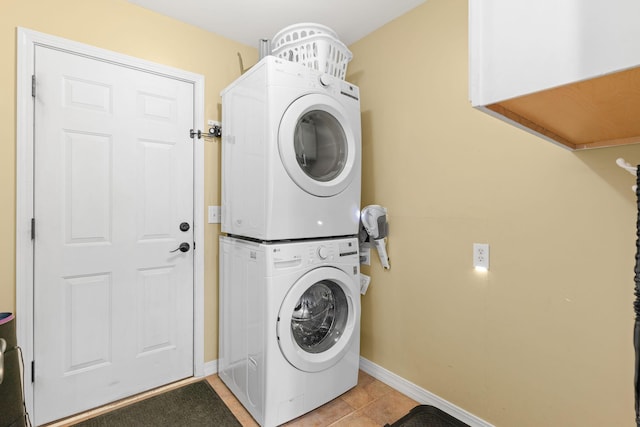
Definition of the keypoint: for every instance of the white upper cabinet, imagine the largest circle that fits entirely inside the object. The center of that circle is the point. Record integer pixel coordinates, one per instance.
(566, 70)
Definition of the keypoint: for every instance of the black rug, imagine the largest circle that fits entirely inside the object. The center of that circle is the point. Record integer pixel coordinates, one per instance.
(427, 416)
(193, 405)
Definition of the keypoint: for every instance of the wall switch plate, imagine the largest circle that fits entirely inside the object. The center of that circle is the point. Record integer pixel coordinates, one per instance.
(214, 215)
(481, 256)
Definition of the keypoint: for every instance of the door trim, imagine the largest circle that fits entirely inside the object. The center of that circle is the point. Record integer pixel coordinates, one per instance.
(26, 43)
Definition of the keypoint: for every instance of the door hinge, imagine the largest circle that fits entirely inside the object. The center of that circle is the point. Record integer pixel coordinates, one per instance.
(33, 228)
(33, 371)
(33, 85)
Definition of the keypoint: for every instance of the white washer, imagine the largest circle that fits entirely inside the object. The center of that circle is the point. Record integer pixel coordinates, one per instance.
(289, 337)
(291, 153)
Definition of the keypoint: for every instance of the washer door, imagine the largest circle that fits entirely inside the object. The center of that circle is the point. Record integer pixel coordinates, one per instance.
(318, 145)
(317, 319)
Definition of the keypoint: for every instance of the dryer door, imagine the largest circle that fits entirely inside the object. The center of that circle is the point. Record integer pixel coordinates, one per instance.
(318, 145)
(318, 318)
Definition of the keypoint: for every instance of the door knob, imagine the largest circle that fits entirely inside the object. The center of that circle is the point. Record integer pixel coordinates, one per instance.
(184, 247)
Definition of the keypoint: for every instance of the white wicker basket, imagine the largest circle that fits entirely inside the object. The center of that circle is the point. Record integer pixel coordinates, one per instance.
(297, 32)
(320, 52)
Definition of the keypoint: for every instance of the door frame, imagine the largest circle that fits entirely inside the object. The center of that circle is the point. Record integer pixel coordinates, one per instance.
(27, 40)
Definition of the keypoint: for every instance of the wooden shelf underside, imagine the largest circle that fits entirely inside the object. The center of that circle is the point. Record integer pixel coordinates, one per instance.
(600, 112)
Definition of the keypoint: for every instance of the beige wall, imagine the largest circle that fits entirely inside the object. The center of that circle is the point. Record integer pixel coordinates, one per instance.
(121, 27)
(545, 337)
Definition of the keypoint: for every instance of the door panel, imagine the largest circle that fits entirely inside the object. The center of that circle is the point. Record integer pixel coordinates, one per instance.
(88, 211)
(155, 176)
(156, 295)
(113, 182)
(88, 344)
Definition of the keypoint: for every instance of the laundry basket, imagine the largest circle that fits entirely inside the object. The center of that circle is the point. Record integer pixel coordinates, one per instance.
(295, 32)
(314, 46)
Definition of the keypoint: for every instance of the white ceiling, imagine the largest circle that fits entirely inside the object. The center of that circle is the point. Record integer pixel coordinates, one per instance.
(247, 21)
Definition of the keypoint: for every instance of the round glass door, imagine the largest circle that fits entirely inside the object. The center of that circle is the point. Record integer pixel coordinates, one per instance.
(318, 319)
(318, 146)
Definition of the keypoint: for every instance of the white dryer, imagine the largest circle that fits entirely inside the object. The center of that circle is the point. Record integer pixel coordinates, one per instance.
(289, 337)
(291, 153)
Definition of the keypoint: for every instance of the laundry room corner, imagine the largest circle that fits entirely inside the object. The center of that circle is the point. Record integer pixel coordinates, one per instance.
(503, 343)
(542, 336)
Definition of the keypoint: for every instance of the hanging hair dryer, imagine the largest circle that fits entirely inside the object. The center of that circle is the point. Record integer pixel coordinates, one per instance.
(374, 220)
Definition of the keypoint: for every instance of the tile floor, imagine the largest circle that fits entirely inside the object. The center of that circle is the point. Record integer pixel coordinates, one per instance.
(370, 403)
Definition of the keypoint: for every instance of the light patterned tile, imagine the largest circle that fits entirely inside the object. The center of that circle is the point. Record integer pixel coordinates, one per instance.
(221, 389)
(367, 390)
(324, 415)
(355, 419)
(247, 420)
(241, 413)
(364, 378)
(389, 408)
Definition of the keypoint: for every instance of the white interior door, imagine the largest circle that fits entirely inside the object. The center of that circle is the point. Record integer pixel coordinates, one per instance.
(113, 307)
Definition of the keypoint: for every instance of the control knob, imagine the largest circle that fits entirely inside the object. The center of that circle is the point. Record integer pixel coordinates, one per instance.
(323, 252)
(325, 80)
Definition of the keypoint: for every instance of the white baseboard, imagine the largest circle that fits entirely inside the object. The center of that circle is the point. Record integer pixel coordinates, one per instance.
(419, 394)
(210, 368)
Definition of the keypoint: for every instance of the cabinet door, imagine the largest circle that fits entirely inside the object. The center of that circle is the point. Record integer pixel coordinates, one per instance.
(567, 71)
(521, 46)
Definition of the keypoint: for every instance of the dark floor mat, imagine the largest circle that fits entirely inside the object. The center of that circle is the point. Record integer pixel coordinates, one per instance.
(427, 416)
(193, 405)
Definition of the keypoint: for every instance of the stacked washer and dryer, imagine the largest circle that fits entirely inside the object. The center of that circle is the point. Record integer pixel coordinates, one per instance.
(289, 337)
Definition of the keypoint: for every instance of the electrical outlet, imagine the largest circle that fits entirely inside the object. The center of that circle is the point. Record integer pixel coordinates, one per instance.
(481, 256)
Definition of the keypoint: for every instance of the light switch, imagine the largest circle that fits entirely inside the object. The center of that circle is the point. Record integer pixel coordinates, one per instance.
(214, 215)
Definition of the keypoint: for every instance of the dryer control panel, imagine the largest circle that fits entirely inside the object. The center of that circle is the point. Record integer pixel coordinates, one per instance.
(337, 86)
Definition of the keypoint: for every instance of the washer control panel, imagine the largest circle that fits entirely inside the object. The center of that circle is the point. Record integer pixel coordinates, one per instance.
(321, 252)
(294, 254)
